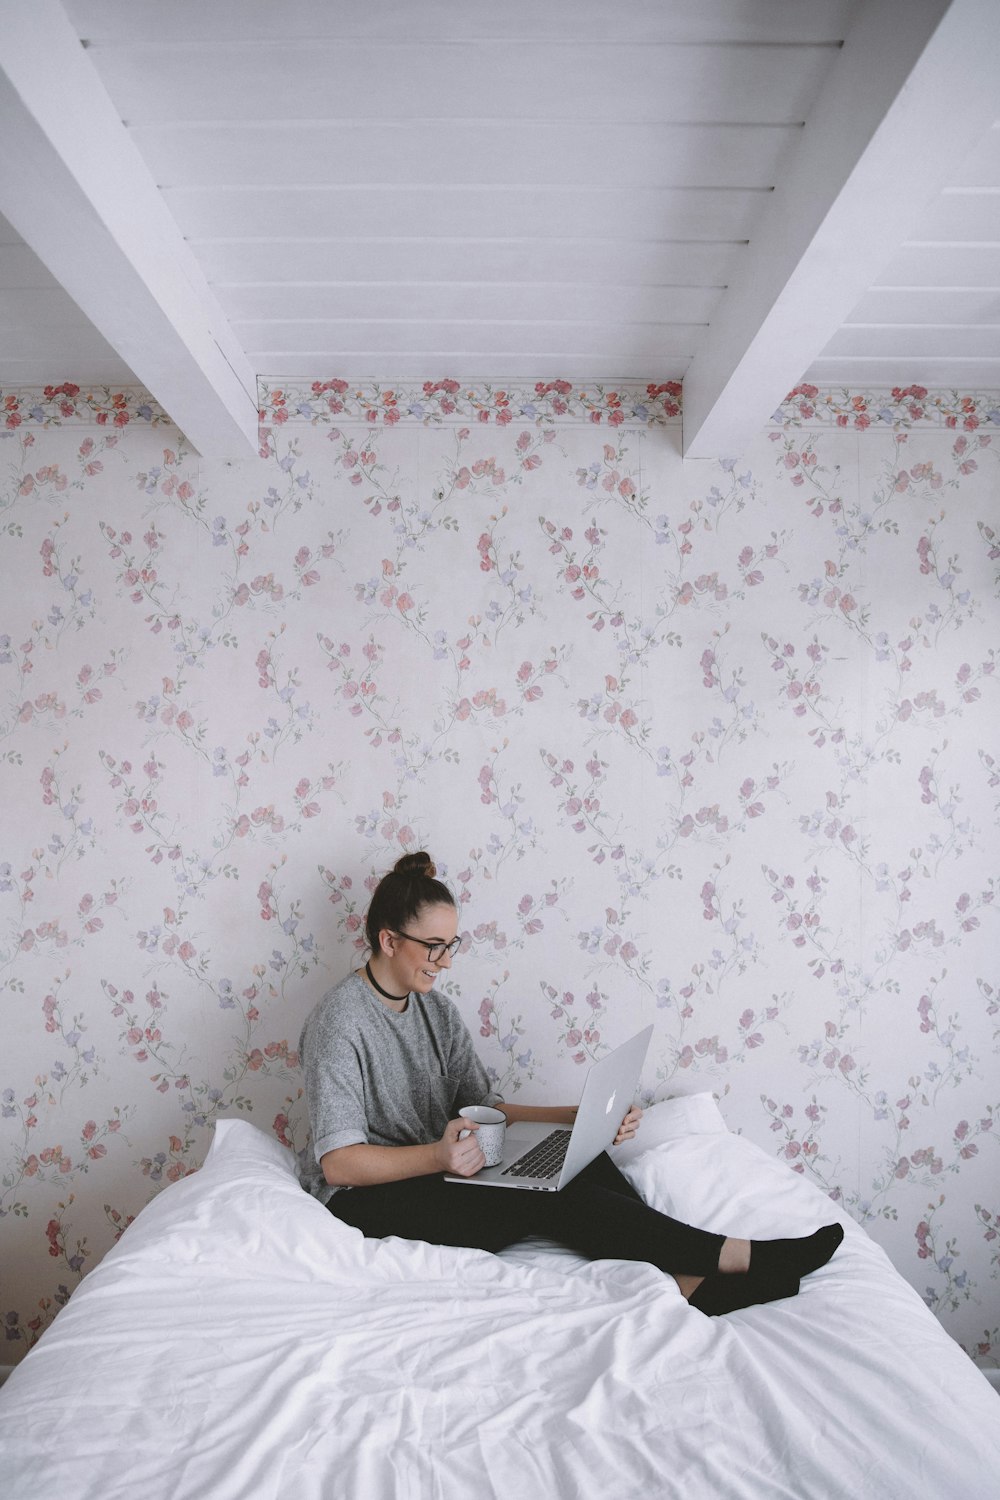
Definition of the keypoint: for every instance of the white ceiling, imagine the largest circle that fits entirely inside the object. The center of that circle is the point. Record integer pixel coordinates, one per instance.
(421, 188)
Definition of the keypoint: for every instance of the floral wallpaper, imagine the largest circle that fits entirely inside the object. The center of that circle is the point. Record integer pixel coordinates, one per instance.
(713, 745)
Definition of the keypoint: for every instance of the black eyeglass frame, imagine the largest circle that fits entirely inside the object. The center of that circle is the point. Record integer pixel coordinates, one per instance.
(435, 951)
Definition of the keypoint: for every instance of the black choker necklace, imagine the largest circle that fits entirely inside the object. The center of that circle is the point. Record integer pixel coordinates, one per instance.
(384, 993)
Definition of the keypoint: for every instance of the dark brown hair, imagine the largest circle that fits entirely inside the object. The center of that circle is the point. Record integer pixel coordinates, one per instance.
(401, 895)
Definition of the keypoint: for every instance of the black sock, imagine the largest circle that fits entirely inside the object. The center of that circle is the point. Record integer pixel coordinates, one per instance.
(724, 1294)
(774, 1259)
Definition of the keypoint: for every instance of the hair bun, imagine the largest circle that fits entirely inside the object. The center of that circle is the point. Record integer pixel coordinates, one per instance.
(419, 863)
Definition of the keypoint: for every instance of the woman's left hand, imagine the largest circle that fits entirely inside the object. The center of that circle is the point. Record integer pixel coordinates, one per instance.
(628, 1127)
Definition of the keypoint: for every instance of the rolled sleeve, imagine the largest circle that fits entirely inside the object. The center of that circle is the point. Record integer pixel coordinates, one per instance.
(337, 1141)
(335, 1095)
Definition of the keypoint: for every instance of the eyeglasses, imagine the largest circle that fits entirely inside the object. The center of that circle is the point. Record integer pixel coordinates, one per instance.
(435, 951)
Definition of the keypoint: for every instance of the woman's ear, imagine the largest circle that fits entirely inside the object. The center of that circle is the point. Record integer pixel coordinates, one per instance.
(386, 942)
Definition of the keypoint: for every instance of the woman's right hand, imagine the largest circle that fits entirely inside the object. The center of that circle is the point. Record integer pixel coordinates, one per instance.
(464, 1157)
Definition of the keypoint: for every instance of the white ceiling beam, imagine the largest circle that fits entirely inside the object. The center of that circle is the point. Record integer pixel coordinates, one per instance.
(77, 191)
(913, 88)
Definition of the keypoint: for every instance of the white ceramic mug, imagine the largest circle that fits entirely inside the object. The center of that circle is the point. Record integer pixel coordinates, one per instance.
(492, 1125)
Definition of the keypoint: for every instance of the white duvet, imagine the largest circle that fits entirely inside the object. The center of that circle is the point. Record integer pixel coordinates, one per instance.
(239, 1343)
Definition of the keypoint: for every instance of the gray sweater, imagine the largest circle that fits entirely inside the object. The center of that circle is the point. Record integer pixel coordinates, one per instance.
(383, 1077)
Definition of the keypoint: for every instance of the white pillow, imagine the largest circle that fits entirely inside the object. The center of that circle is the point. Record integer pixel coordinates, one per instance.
(685, 1162)
(243, 1215)
(239, 1147)
(671, 1120)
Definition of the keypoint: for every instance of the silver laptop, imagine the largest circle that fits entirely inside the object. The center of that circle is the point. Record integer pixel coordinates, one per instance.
(543, 1158)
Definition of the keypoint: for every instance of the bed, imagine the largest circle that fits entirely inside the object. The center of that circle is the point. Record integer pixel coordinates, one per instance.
(239, 1343)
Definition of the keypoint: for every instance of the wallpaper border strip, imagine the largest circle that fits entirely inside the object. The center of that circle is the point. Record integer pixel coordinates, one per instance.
(556, 401)
(54, 405)
(898, 407)
(434, 402)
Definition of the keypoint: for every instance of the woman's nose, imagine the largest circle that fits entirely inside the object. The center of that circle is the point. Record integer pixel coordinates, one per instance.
(444, 962)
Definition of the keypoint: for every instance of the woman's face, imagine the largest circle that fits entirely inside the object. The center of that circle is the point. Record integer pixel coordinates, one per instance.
(410, 964)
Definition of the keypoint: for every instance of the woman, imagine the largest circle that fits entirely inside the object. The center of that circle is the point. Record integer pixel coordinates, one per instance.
(388, 1064)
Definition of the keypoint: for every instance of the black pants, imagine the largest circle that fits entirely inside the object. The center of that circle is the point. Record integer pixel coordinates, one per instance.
(599, 1215)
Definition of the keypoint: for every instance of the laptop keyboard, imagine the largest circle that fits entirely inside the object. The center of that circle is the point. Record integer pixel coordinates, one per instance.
(543, 1160)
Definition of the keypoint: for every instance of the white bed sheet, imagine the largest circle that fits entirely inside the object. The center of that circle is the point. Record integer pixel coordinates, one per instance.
(239, 1343)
